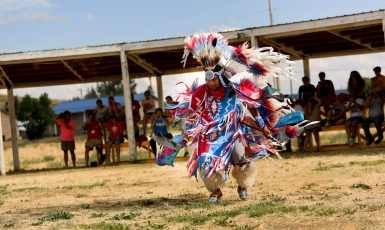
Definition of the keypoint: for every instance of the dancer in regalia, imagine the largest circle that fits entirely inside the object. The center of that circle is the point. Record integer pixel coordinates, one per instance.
(229, 124)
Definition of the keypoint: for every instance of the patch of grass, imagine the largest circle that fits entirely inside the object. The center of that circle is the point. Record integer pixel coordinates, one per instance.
(31, 161)
(90, 186)
(221, 222)
(329, 167)
(55, 164)
(325, 212)
(80, 195)
(193, 218)
(349, 211)
(331, 197)
(124, 216)
(307, 186)
(365, 163)
(10, 225)
(103, 225)
(333, 187)
(1, 202)
(56, 215)
(48, 158)
(257, 210)
(361, 185)
(375, 207)
(28, 189)
(154, 226)
(97, 215)
(3, 190)
(208, 205)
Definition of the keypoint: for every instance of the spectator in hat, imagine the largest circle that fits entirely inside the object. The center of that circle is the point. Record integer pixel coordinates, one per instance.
(375, 103)
(306, 91)
(325, 92)
(337, 115)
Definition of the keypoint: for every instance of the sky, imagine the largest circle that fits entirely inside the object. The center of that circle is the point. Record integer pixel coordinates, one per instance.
(30, 25)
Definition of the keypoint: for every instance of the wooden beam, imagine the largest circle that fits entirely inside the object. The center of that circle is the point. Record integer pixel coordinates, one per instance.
(5, 75)
(135, 58)
(348, 37)
(282, 47)
(2, 159)
(306, 67)
(62, 54)
(128, 107)
(2, 80)
(359, 20)
(12, 119)
(72, 70)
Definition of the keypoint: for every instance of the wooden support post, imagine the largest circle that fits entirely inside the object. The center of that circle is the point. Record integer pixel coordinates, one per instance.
(159, 87)
(2, 159)
(254, 41)
(12, 119)
(128, 106)
(306, 67)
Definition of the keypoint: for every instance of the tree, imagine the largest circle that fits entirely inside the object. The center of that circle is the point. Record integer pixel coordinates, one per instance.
(109, 88)
(36, 115)
(91, 93)
(368, 85)
(16, 104)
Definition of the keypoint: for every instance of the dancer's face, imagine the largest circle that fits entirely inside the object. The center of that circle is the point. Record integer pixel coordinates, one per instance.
(213, 83)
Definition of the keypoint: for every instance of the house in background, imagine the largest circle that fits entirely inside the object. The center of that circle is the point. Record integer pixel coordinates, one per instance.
(80, 108)
(6, 125)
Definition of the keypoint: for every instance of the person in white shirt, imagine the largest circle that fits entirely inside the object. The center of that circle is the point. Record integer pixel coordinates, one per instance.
(356, 108)
(148, 105)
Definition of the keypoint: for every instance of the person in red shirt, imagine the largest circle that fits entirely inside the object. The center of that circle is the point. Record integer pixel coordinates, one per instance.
(135, 114)
(94, 137)
(115, 130)
(67, 136)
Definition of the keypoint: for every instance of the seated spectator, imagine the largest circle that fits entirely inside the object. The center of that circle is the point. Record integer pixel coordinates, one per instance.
(159, 126)
(356, 86)
(306, 91)
(312, 113)
(101, 111)
(135, 114)
(325, 92)
(115, 131)
(337, 115)
(375, 104)
(356, 108)
(378, 82)
(148, 105)
(169, 101)
(94, 137)
(115, 108)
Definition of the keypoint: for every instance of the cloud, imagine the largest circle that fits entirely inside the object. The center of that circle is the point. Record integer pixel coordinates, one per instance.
(18, 11)
(90, 17)
(36, 17)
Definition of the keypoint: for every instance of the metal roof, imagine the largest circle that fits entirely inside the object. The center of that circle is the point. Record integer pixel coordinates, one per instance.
(342, 35)
(79, 106)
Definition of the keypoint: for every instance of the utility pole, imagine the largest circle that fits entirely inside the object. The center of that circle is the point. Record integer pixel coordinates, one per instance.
(276, 82)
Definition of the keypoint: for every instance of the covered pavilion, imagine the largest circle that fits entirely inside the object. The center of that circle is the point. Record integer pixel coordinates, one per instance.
(329, 37)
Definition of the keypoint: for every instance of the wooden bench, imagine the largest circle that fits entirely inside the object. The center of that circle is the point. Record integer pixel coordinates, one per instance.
(361, 139)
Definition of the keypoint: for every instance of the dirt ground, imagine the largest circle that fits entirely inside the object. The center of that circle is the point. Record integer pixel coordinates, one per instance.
(327, 190)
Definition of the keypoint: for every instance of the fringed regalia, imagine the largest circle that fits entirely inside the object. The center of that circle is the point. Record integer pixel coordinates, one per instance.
(219, 122)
